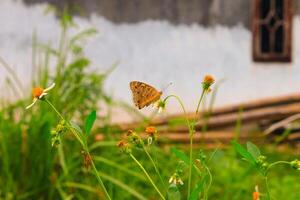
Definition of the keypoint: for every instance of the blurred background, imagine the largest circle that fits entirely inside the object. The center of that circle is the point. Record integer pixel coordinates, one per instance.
(252, 45)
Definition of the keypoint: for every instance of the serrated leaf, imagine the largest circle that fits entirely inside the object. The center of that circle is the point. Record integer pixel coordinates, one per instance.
(253, 150)
(173, 192)
(243, 152)
(89, 122)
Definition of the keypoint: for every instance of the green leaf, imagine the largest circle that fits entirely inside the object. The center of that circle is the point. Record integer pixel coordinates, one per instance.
(89, 122)
(173, 192)
(243, 152)
(180, 155)
(197, 189)
(253, 150)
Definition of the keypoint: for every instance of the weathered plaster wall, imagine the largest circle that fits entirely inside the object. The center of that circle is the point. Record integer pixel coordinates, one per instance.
(205, 12)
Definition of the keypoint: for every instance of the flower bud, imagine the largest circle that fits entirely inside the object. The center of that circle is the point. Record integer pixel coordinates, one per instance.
(295, 164)
(124, 146)
(207, 82)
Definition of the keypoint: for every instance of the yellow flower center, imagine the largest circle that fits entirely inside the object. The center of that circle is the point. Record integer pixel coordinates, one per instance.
(37, 92)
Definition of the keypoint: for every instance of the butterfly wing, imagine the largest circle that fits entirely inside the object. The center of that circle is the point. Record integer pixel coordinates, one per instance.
(143, 94)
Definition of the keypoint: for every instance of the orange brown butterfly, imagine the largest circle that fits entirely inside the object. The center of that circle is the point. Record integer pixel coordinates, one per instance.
(144, 94)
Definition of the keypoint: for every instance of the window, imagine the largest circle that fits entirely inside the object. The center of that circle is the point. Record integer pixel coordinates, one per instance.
(272, 30)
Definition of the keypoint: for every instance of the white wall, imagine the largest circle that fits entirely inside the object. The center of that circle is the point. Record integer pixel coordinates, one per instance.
(158, 53)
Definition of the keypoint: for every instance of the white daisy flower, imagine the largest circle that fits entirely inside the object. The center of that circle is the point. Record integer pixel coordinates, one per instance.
(39, 93)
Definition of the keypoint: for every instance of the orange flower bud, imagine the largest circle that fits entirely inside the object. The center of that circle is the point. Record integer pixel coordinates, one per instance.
(151, 130)
(209, 79)
(255, 195)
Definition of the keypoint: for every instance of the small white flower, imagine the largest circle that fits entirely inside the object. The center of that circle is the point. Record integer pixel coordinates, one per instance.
(175, 179)
(39, 93)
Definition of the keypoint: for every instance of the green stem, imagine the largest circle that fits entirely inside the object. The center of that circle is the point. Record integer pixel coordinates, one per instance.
(199, 102)
(84, 146)
(267, 188)
(154, 165)
(98, 177)
(276, 163)
(191, 143)
(191, 163)
(68, 123)
(182, 106)
(62, 159)
(191, 133)
(151, 181)
(210, 180)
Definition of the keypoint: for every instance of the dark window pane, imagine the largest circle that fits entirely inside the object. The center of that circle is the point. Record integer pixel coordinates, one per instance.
(272, 22)
(265, 8)
(279, 40)
(279, 8)
(264, 39)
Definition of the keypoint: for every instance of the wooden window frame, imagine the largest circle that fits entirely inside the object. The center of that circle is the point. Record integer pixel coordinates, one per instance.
(258, 55)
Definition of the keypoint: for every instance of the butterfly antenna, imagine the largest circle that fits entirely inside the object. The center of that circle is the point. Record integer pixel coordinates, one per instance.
(166, 87)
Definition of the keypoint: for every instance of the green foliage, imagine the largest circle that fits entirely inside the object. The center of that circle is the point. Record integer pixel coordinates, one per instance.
(253, 150)
(89, 122)
(244, 153)
(173, 192)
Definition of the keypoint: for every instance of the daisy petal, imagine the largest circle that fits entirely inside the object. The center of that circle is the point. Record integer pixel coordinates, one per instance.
(34, 101)
(50, 87)
(43, 94)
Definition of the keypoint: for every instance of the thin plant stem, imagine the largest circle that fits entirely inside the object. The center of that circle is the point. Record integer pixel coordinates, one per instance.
(62, 159)
(199, 102)
(210, 180)
(98, 177)
(149, 178)
(182, 106)
(84, 146)
(191, 130)
(68, 123)
(191, 142)
(276, 163)
(267, 188)
(154, 165)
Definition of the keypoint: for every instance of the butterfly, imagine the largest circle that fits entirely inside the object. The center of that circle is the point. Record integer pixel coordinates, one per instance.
(144, 94)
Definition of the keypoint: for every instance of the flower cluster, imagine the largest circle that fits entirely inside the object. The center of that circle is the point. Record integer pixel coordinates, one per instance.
(262, 163)
(133, 139)
(295, 164)
(57, 132)
(124, 146)
(175, 179)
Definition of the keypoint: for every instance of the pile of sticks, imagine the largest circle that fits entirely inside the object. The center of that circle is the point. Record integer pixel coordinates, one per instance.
(246, 121)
